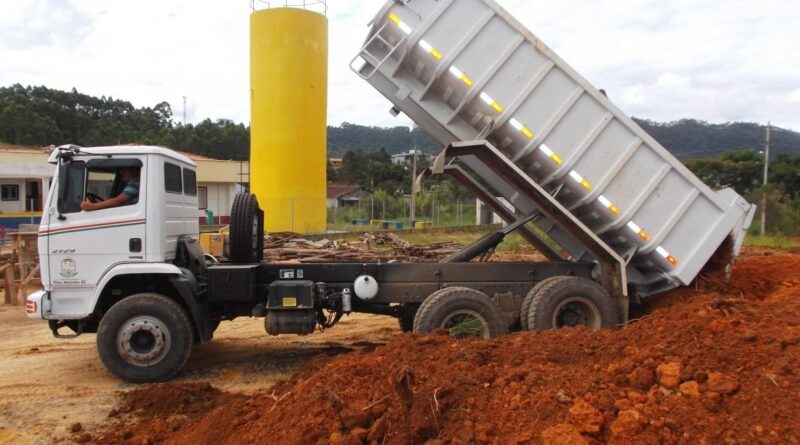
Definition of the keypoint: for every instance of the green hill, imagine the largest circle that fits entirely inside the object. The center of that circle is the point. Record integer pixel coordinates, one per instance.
(38, 116)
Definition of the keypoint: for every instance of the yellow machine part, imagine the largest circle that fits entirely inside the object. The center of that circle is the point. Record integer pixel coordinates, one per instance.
(289, 101)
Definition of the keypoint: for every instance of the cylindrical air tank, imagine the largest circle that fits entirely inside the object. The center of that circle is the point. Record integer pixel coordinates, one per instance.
(289, 79)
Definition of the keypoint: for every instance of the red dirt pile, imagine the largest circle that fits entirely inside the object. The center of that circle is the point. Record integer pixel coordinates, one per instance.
(715, 363)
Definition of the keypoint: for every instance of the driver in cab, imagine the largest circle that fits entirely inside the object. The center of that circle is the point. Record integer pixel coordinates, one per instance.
(129, 193)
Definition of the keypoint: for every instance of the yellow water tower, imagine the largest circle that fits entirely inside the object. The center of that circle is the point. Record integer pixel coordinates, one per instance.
(289, 108)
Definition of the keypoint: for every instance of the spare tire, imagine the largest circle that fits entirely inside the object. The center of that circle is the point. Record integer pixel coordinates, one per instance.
(246, 230)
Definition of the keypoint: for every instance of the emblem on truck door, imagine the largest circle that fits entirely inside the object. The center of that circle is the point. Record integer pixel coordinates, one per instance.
(68, 268)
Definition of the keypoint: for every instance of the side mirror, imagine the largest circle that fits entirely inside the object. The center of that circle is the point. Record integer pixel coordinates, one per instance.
(63, 180)
(71, 178)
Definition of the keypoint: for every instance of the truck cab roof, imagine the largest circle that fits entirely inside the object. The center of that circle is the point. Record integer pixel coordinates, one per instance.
(123, 150)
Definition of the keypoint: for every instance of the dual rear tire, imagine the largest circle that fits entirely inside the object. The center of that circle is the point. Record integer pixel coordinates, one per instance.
(553, 303)
(560, 302)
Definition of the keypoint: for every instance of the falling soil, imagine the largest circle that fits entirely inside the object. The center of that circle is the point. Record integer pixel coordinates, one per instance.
(713, 363)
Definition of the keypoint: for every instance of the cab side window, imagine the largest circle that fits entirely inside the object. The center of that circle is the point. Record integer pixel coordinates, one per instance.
(173, 182)
(97, 180)
(101, 183)
(107, 183)
(189, 182)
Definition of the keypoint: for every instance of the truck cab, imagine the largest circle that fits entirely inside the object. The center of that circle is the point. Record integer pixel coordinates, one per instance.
(82, 252)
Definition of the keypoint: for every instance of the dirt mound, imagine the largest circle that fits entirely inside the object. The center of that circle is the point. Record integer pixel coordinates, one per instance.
(714, 363)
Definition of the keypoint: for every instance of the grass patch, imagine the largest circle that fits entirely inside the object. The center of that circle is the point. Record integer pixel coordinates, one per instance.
(469, 327)
(775, 242)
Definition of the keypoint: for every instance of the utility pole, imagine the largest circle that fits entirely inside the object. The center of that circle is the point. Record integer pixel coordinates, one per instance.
(184, 110)
(413, 178)
(766, 181)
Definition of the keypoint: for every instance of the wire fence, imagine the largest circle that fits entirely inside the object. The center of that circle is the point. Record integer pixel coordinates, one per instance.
(395, 213)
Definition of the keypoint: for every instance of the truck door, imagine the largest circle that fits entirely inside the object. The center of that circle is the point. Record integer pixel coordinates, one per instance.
(83, 245)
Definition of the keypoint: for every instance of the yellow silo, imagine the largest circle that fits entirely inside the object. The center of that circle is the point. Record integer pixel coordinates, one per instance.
(289, 88)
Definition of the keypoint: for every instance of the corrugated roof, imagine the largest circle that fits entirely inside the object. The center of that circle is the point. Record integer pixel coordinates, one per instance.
(337, 191)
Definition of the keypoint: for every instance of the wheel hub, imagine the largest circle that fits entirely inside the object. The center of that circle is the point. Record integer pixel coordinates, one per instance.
(577, 311)
(143, 341)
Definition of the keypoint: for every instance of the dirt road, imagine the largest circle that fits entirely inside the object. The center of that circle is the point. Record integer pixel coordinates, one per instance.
(47, 385)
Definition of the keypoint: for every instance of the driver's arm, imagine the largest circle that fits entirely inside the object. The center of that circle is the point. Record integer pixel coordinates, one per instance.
(108, 203)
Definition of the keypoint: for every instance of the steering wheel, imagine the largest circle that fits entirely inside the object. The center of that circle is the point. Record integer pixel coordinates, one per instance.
(93, 198)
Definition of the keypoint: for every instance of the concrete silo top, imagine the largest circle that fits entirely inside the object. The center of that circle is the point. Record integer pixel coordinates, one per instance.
(320, 6)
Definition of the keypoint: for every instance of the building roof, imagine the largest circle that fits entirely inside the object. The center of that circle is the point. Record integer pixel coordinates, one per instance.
(338, 191)
(195, 157)
(8, 148)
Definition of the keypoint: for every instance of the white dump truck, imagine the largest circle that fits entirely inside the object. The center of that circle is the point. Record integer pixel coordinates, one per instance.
(618, 218)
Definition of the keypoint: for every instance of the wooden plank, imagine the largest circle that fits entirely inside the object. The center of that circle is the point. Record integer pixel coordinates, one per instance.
(11, 285)
(23, 294)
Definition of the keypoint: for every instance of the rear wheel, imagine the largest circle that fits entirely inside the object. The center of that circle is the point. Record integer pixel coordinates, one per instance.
(526, 303)
(462, 312)
(569, 301)
(145, 338)
(246, 230)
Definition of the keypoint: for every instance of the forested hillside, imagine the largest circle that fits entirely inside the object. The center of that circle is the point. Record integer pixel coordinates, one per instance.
(689, 138)
(38, 116)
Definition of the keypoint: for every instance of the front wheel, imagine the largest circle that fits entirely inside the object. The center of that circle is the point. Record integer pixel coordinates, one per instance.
(145, 338)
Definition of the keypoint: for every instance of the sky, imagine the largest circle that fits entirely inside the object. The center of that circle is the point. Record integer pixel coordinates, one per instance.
(719, 61)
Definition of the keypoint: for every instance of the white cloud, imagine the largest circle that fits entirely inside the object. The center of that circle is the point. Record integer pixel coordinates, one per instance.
(51, 23)
(662, 60)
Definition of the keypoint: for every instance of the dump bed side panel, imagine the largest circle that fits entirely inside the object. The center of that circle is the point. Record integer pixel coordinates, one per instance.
(466, 70)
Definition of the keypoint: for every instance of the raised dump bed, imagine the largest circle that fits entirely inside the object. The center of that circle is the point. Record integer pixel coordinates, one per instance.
(467, 71)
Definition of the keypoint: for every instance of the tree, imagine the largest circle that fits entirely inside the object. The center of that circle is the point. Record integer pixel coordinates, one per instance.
(741, 170)
(785, 171)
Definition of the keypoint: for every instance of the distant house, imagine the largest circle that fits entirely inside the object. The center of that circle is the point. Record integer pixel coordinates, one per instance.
(336, 163)
(408, 158)
(345, 195)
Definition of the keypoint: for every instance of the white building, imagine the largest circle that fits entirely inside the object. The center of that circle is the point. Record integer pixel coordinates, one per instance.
(25, 178)
(485, 215)
(408, 158)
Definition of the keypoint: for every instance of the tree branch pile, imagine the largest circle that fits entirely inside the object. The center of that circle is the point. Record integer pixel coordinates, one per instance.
(372, 248)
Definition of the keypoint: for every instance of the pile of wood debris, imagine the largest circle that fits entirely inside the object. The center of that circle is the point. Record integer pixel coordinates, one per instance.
(371, 248)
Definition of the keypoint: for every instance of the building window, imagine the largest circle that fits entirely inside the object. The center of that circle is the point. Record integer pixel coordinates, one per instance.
(173, 183)
(202, 197)
(10, 192)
